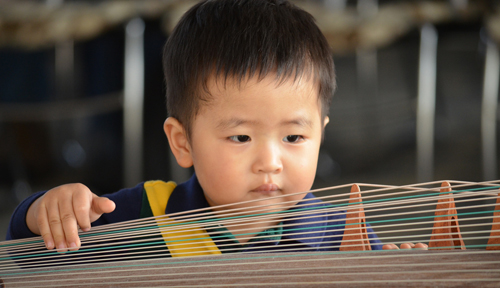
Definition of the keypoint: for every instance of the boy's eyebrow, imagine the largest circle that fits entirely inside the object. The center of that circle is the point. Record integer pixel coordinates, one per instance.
(300, 121)
(232, 123)
(235, 122)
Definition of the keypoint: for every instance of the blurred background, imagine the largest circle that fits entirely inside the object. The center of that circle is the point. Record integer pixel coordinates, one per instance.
(82, 93)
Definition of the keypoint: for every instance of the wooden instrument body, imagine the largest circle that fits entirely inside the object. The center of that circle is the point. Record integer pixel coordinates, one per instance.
(473, 268)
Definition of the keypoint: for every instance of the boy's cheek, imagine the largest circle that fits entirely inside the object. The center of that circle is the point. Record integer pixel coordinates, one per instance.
(306, 173)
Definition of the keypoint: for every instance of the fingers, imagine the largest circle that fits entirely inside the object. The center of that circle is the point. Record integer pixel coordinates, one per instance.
(42, 224)
(102, 205)
(54, 227)
(407, 245)
(69, 222)
(89, 207)
(81, 203)
(392, 246)
(421, 246)
(62, 222)
(72, 210)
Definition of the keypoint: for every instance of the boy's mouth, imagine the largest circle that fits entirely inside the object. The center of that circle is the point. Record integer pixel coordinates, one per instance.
(268, 187)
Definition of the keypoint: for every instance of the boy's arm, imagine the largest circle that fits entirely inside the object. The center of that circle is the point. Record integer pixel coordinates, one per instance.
(18, 228)
(374, 241)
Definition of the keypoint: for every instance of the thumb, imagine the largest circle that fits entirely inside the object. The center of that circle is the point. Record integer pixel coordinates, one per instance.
(102, 205)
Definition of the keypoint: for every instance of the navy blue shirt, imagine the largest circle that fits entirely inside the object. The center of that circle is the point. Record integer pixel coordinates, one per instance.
(314, 232)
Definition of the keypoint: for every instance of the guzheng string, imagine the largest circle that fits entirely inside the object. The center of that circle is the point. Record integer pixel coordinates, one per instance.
(397, 214)
(236, 224)
(299, 232)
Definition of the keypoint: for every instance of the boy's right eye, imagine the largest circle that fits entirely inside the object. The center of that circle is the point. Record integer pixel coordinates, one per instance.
(240, 138)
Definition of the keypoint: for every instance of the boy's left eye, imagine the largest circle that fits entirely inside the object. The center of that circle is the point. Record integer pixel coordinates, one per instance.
(293, 138)
(240, 138)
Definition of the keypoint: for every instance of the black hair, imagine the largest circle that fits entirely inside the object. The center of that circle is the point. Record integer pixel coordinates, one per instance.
(239, 39)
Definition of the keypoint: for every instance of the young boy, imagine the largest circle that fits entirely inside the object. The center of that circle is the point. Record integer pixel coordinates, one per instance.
(249, 85)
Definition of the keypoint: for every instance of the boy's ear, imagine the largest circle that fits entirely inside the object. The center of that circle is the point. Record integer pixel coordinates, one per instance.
(325, 121)
(178, 141)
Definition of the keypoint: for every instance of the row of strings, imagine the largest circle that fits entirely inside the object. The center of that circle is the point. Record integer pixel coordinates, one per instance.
(397, 214)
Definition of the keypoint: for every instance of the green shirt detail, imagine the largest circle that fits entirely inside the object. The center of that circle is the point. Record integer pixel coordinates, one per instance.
(145, 208)
(227, 243)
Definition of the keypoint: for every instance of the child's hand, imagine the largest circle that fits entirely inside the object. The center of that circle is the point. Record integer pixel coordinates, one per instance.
(57, 214)
(391, 246)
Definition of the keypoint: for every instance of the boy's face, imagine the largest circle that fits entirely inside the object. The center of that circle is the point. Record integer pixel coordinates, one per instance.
(256, 140)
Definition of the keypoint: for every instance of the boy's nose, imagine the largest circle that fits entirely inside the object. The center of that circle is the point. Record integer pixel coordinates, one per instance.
(268, 160)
